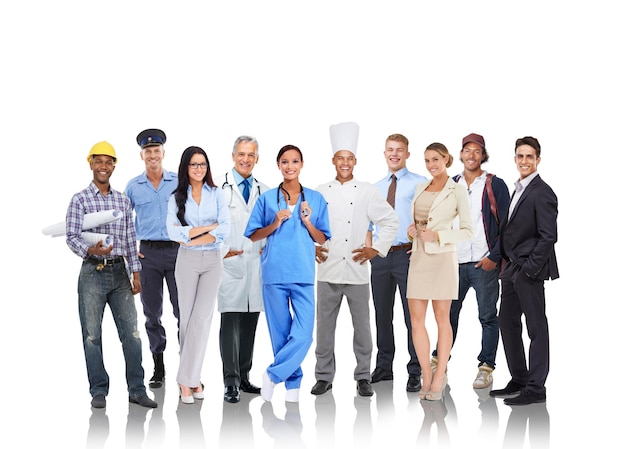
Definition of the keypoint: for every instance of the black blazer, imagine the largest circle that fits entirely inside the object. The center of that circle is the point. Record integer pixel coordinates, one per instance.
(528, 237)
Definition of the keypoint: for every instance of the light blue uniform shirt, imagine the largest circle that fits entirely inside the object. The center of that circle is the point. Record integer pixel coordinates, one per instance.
(289, 254)
(405, 190)
(212, 209)
(150, 204)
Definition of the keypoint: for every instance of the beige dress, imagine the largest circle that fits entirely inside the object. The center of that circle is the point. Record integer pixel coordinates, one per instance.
(431, 276)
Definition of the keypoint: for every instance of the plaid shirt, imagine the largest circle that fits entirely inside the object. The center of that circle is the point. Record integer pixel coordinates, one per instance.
(122, 231)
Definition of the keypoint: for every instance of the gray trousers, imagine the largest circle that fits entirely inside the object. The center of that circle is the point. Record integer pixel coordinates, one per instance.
(198, 275)
(329, 297)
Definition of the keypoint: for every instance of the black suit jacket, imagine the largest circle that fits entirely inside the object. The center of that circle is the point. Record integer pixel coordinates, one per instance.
(528, 237)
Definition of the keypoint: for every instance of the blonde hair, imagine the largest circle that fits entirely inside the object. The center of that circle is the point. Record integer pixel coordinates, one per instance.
(442, 150)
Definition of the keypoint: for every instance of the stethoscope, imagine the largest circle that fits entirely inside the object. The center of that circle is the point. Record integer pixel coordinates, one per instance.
(279, 196)
(226, 183)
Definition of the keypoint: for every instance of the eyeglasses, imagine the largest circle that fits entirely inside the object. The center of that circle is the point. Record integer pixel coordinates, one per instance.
(202, 165)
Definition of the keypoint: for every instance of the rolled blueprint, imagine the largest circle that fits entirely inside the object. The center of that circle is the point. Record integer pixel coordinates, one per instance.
(90, 221)
(93, 237)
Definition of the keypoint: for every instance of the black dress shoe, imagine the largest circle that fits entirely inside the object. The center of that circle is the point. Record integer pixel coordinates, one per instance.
(413, 385)
(381, 374)
(247, 387)
(526, 398)
(231, 394)
(321, 387)
(99, 401)
(364, 387)
(510, 389)
(143, 400)
(157, 380)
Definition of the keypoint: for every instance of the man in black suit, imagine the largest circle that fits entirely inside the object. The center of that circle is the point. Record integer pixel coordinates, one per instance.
(527, 239)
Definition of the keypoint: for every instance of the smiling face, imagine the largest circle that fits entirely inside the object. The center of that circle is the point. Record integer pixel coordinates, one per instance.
(153, 156)
(344, 162)
(472, 157)
(435, 163)
(290, 164)
(396, 154)
(526, 160)
(102, 167)
(197, 168)
(245, 158)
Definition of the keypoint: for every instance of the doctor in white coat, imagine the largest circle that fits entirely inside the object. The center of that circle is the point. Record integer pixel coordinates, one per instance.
(239, 299)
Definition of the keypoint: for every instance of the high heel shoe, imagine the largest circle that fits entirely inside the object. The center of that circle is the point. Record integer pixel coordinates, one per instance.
(422, 394)
(437, 395)
(185, 399)
(198, 394)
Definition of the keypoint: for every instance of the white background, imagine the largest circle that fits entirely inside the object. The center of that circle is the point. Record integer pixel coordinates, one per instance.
(74, 73)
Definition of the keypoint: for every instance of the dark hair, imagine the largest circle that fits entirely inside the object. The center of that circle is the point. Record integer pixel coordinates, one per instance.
(442, 150)
(286, 148)
(531, 141)
(183, 180)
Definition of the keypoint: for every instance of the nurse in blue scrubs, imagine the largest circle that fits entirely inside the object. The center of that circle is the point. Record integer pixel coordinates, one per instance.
(293, 219)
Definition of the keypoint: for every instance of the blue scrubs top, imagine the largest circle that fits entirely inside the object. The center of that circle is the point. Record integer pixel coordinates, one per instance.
(289, 254)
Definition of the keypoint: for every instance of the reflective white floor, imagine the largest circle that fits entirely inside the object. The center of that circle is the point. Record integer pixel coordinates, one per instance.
(52, 404)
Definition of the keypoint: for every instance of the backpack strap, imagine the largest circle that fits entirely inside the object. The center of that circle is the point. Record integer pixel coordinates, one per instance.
(492, 198)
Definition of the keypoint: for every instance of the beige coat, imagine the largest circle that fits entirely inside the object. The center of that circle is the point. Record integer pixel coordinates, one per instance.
(452, 201)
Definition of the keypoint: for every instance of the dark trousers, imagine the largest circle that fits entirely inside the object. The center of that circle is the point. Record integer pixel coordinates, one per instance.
(387, 275)
(523, 295)
(237, 333)
(156, 265)
(487, 288)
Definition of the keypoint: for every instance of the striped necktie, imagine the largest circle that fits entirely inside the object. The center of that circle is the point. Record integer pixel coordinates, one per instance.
(391, 193)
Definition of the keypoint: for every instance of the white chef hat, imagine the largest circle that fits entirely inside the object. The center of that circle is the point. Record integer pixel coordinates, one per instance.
(344, 136)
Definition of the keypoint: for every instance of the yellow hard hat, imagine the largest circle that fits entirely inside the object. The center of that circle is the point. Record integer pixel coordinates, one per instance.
(102, 148)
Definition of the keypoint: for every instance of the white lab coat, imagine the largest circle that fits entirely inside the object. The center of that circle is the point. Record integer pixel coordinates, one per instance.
(240, 289)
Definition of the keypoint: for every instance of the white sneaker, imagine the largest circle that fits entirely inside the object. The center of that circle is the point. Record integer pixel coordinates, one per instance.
(484, 378)
(292, 395)
(267, 390)
(433, 363)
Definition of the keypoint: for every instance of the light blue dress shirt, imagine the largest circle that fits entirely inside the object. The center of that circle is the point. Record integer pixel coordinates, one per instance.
(405, 190)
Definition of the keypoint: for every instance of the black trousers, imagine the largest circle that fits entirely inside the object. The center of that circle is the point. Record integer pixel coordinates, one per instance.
(522, 295)
(388, 275)
(237, 333)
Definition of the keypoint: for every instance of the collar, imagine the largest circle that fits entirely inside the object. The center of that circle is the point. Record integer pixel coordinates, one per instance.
(399, 174)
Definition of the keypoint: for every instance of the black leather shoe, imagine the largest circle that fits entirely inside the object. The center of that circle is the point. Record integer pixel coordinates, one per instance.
(143, 400)
(99, 401)
(511, 388)
(157, 380)
(247, 387)
(231, 394)
(321, 387)
(526, 398)
(381, 374)
(364, 387)
(414, 384)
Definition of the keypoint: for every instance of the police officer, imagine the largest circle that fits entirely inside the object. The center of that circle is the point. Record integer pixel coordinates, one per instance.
(149, 193)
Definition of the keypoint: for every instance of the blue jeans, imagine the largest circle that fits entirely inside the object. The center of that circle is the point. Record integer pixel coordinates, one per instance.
(487, 288)
(96, 289)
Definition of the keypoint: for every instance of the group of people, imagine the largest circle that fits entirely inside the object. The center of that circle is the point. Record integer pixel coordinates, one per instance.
(245, 248)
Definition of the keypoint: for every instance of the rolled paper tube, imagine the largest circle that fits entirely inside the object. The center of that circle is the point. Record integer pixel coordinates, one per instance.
(93, 237)
(91, 220)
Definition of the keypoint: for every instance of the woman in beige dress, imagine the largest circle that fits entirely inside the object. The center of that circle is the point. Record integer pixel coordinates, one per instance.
(433, 268)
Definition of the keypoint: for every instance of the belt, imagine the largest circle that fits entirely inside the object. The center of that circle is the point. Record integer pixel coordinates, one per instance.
(160, 243)
(404, 246)
(104, 262)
